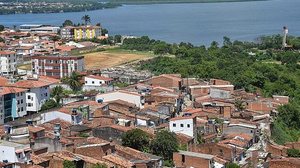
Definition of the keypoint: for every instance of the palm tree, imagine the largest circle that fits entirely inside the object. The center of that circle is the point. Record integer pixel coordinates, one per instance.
(73, 81)
(86, 19)
(57, 93)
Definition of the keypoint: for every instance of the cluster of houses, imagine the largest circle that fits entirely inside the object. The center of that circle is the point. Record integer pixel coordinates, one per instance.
(214, 124)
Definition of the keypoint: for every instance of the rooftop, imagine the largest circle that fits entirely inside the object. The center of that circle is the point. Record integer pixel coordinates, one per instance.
(194, 154)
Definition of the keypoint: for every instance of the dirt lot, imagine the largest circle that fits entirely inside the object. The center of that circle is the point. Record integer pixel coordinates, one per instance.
(106, 59)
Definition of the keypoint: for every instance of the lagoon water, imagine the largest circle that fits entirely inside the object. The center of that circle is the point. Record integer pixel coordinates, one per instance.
(198, 23)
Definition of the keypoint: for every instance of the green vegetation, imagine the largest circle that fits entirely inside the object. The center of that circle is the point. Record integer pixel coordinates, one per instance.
(69, 164)
(73, 81)
(67, 23)
(86, 19)
(164, 144)
(293, 153)
(232, 165)
(1, 28)
(137, 139)
(99, 166)
(49, 104)
(173, 1)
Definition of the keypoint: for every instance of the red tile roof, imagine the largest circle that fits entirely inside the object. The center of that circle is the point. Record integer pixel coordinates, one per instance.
(36, 83)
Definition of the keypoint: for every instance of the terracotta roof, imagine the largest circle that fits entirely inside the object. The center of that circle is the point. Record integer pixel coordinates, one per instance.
(118, 160)
(35, 129)
(36, 83)
(182, 118)
(6, 52)
(38, 159)
(183, 138)
(100, 77)
(8, 90)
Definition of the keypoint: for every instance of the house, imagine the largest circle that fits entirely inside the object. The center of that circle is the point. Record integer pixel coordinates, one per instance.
(242, 128)
(111, 132)
(173, 81)
(12, 103)
(38, 91)
(8, 62)
(14, 152)
(193, 159)
(95, 80)
(57, 66)
(130, 97)
(185, 125)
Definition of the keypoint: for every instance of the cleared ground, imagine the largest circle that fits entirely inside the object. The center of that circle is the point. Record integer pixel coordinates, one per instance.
(113, 57)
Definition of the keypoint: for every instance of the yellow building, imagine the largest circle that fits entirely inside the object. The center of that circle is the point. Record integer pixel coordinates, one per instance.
(86, 32)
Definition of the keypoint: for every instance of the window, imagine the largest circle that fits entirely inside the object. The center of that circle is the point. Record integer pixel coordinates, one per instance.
(46, 94)
(182, 158)
(251, 131)
(28, 97)
(93, 82)
(188, 125)
(174, 125)
(181, 125)
(18, 109)
(22, 109)
(21, 100)
(18, 101)
(85, 81)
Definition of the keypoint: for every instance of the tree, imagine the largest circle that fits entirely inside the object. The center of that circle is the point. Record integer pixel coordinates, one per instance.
(73, 81)
(293, 153)
(67, 23)
(164, 144)
(161, 49)
(104, 32)
(137, 139)
(49, 104)
(232, 165)
(1, 28)
(226, 41)
(57, 93)
(68, 164)
(118, 38)
(98, 24)
(86, 19)
(2, 40)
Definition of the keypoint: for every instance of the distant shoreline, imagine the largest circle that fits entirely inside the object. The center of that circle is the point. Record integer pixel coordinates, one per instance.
(118, 3)
(149, 2)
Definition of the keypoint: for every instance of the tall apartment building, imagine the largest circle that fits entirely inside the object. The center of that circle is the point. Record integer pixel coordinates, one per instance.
(8, 63)
(57, 66)
(12, 103)
(80, 32)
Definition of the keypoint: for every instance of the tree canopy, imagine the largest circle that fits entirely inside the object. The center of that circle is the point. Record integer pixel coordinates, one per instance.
(137, 139)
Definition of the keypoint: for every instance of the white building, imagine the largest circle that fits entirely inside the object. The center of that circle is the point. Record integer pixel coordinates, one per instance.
(130, 97)
(8, 61)
(14, 152)
(94, 80)
(38, 91)
(184, 125)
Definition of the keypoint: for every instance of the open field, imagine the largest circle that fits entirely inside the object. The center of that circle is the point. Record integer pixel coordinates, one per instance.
(113, 57)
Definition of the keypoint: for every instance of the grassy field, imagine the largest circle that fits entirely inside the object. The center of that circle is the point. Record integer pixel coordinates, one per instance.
(113, 57)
